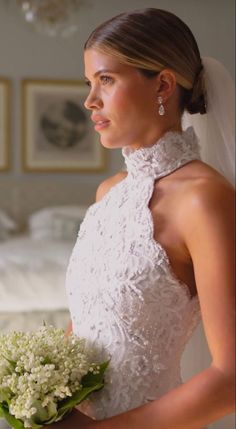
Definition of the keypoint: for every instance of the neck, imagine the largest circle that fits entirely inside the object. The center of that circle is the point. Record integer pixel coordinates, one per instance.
(175, 126)
(159, 132)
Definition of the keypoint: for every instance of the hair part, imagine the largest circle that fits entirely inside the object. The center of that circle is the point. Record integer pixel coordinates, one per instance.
(151, 40)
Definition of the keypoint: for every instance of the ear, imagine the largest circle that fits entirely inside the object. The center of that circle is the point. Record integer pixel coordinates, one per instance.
(166, 84)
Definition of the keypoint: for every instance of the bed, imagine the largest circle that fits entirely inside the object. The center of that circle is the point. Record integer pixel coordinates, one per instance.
(39, 222)
(32, 275)
(33, 266)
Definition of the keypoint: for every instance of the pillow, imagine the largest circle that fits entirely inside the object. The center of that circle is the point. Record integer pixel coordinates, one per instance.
(56, 223)
(7, 225)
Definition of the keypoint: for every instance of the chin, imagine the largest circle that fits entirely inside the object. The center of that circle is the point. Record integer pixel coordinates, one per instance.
(109, 144)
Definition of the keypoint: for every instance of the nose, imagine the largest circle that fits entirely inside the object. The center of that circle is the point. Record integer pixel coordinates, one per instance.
(93, 101)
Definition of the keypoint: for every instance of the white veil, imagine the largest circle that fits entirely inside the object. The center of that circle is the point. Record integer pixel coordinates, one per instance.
(216, 128)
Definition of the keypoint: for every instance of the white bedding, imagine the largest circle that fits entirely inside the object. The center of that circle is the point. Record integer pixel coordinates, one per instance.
(32, 274)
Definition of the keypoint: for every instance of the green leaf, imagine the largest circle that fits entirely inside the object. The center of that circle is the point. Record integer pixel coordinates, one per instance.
(92, 379)
(43, 414)
(91, 382)
(59, 416)
(11, 362)
(12, 421)
(35, 425)
(46, 361)
(77, 398)
(4, 395)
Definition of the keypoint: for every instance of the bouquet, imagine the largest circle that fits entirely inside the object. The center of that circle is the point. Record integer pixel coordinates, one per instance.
(43, 376)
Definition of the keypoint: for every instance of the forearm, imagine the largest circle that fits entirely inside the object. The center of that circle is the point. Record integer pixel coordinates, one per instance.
(205, 398)
(69, 329)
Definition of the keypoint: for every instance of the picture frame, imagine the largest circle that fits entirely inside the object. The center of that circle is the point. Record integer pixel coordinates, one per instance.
(57, 132)
(4, 124)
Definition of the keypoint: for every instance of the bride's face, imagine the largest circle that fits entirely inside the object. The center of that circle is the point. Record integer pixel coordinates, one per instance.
(122, 100)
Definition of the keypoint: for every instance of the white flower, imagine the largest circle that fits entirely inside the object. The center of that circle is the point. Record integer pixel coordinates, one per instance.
(38, 370)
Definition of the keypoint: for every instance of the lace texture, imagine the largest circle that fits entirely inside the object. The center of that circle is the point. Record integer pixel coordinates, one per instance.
(123, 295)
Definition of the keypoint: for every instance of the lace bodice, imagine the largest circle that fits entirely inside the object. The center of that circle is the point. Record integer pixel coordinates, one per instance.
(123, 295)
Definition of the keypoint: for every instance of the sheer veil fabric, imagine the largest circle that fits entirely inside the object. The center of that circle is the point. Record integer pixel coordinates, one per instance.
(216, 129)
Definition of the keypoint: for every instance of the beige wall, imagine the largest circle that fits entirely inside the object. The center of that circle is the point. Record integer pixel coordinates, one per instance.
(25, 53)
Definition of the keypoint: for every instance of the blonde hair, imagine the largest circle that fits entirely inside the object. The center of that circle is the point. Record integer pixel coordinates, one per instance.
(152, 40)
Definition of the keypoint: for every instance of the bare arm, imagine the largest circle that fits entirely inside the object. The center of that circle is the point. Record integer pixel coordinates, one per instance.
(208, 230)
(69, 328)
(208, 396)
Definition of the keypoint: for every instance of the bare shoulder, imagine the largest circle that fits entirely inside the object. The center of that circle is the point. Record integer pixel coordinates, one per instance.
(202, 188)
(208, 203)
(210, 194)
(198, 196)
(107, 184)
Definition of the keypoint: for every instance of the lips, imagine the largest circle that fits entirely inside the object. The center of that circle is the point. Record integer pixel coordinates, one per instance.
(98, 119)
(100, 122)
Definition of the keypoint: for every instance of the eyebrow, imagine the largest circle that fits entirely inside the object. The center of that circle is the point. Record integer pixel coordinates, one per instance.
(100, 72)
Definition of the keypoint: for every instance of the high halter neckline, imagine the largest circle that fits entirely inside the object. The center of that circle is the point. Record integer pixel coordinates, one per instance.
(170, 152)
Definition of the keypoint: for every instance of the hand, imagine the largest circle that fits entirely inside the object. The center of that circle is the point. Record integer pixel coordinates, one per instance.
(75, 420)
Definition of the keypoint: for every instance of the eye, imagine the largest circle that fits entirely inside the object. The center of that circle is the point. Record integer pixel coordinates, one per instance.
(106, 79)
(87, 82)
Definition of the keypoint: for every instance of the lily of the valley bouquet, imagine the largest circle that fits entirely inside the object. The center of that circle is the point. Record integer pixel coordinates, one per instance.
(43, 376)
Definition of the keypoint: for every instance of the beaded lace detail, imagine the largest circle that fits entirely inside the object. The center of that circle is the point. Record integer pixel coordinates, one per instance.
(123, 295)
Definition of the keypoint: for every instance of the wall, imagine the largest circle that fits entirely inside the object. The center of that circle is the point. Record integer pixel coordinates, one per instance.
(25, 53)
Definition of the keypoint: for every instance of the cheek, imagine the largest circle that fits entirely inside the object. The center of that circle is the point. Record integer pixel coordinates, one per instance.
(120, 102)
(129, 105)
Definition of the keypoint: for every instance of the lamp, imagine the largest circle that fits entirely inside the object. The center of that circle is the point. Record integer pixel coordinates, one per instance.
(51, 17)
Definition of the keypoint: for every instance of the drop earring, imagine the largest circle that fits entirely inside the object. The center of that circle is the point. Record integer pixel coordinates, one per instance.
(161, 109)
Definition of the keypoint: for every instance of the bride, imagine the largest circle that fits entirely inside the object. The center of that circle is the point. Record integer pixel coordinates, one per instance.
(154, 254)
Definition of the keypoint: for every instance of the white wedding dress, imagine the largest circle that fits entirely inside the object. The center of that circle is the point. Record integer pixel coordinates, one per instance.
(123, 296)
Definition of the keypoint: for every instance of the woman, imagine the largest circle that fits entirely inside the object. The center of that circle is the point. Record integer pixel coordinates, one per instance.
(155, 252)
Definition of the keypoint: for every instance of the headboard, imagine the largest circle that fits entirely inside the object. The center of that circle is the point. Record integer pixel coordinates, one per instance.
(21, 198)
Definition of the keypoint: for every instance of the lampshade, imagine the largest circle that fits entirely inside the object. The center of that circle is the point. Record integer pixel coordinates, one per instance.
(51, 17)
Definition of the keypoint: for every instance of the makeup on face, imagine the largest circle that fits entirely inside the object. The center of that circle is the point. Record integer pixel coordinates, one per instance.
(122, 101)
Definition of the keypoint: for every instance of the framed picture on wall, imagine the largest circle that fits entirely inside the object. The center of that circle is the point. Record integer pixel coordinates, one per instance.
(57, 132)
(4, 124)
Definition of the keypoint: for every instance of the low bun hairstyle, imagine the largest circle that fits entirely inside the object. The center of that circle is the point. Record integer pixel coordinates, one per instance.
(153, 39)
(196, 102)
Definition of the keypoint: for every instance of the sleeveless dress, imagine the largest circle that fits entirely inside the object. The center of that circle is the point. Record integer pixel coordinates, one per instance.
(123, 296)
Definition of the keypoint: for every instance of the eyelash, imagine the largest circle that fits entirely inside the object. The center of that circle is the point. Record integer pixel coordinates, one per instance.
(103, 78)
(106, 79)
